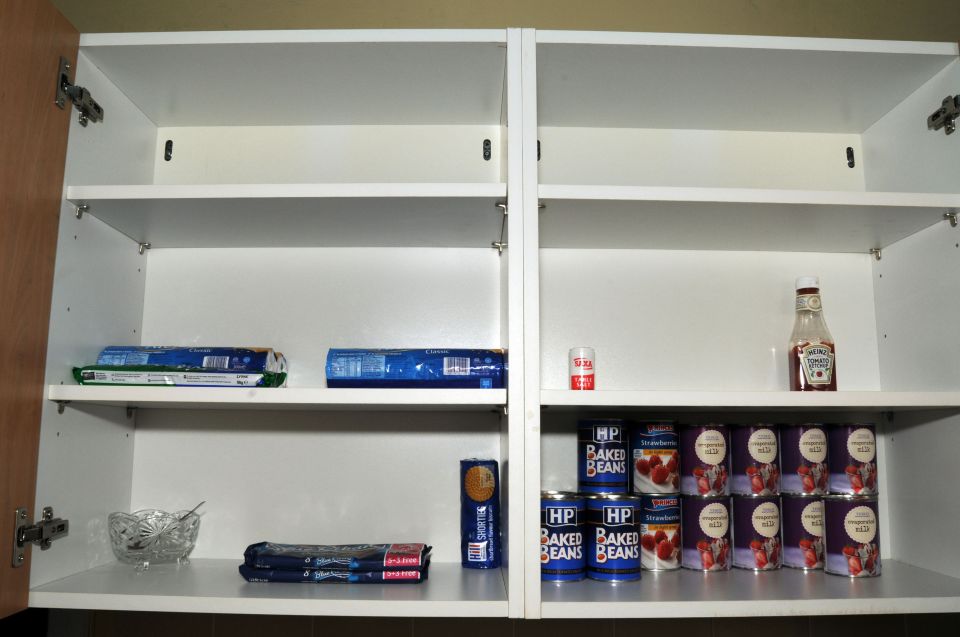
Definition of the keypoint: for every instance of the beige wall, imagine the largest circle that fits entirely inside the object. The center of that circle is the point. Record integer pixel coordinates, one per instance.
(937, 20)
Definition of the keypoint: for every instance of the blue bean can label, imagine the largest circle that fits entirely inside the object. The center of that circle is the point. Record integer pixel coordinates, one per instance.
(602, 456)
(562, 522)
(613, 538)
(660, 532)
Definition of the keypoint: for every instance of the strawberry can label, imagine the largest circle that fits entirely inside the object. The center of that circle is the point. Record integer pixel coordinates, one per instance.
(613, 538)
(853, 459)
(602, 456)
(852, 533)
(655, 457)
(803, 459)
(802, 518)
(704, 460)
(562, 523)
(755, 458)
(757, 544)
(660, 532)
(705, 533)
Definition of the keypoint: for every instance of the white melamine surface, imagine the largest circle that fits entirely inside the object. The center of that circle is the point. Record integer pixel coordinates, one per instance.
(699, 320)
(733, 218)
(758, 84)
(297, 215)
(739, 593)
(274, 79)
(281, 398)
(215, 586)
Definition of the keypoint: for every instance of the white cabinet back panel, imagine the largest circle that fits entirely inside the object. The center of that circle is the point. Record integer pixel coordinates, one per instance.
(317, 154)
(704, 158)
(313, 478)
(303, 301)
(698, 320)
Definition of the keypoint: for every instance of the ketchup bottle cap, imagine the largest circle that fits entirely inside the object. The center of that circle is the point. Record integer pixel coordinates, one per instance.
(808, 282)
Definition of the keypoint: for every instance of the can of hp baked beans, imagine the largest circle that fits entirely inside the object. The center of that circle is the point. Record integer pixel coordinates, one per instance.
(852, 534)
(704, 459)
(613, 538)
(853, 459)
(660, 532)
(602, 456)
(705, 532)
(802, 522)
(756, 532)
(655, 457)
(754, 455)
(803, 459)
(562, 521)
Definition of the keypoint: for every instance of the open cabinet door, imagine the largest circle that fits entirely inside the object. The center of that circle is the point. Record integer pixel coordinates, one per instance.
(33, 143)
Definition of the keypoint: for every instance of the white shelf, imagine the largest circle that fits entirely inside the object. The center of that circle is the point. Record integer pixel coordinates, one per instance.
(770, 400)
(215, 586)
(300, 215)
(685, 81)
(281, 398)
(900, 589)
(664, 218)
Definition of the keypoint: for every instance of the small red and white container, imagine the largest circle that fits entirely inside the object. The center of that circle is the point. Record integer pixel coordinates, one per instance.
(582, 364)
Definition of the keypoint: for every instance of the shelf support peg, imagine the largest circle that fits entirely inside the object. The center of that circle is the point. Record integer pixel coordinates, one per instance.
(131, 412)
(951, 216)
(82, 208)
(143, 247)
(61, 405)
(876, 252)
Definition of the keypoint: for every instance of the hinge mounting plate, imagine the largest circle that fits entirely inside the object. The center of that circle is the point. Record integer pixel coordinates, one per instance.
(42, 533)
(80, 97)
(946, 116)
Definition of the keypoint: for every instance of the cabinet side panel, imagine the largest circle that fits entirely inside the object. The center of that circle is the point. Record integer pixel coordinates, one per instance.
(900, 154)
(918, 300)
(699, 320)
(698, 158)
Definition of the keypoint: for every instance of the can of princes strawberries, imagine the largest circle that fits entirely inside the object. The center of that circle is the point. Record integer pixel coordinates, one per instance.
(602, 456)
(562, 521)
(852, 535)
(754, 455)
(803, 459)
(655, 457)
(613, 538)
(802, 523)
(660, 532)
(582, 361)
(704, 459)
(705, 532)
(756, 532)
(853, 459)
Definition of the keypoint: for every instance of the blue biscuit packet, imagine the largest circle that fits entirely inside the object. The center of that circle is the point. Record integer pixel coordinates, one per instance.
(479, 513)
(341, 557)
(343, 577)
(464, 368)
(247, 359)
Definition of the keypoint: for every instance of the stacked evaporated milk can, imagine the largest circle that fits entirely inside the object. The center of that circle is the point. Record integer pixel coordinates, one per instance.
(655, 496)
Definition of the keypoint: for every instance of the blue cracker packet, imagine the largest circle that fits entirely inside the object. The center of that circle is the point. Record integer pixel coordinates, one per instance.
(245, 359)
(479, 513)
(341, 577)
(340, 557)
(464, 368)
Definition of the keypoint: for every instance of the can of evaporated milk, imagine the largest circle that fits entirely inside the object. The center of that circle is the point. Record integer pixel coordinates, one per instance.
(602, 456)
(802, 523)
(704, 459)
(756, 532)
(803, 459)
(562, 519)
(853, 459)
(754, 456)
(654, 457)
(582, 373)
(705, 532)
(852, 535)
(660, 532)
(613, 538)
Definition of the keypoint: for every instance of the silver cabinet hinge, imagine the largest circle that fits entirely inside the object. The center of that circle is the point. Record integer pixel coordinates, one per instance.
(80, 97)
(946, 116)
(42, 533)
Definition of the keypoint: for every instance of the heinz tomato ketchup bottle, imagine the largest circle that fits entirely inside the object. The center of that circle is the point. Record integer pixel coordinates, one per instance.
(812, 353)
